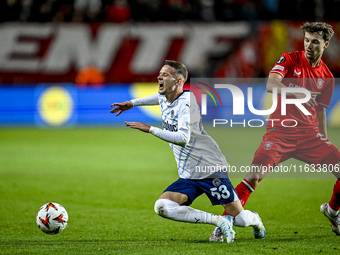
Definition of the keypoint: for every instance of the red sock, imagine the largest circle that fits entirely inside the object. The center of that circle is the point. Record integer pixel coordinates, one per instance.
(243, 190)
(334, 203)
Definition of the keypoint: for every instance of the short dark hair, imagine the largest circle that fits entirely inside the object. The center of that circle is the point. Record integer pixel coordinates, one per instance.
(321, 28)
(180, 68)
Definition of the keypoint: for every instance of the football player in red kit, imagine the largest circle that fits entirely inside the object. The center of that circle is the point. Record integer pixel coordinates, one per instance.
(305, 138)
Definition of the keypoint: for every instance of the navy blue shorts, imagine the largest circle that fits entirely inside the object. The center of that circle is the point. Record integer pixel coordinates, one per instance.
(219, 190)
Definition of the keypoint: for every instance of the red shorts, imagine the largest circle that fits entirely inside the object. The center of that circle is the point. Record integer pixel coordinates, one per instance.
(310, 147)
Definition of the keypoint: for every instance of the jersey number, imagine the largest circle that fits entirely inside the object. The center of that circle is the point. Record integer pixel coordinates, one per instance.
(222, 191)
(322, 138)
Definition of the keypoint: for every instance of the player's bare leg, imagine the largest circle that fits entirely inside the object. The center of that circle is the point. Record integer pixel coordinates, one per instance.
(250, 182)
(260, 167)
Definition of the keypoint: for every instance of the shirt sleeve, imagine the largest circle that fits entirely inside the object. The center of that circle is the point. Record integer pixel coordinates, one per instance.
(179, 137)
(282, 65)
(150, 100)
(182, 135)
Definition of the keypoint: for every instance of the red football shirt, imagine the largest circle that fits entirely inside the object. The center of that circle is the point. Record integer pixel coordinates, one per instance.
(297, 72)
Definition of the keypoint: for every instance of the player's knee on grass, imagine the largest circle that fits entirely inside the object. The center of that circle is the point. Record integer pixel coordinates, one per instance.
(165, 207)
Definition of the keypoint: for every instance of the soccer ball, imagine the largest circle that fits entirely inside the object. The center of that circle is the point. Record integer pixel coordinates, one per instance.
(52, 218)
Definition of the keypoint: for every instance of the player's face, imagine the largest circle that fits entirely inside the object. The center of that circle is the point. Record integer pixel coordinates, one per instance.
(167, 80)
(314, 46)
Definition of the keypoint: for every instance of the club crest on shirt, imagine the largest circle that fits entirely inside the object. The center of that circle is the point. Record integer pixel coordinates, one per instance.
(172, 114)
(216, 182)
(320, 83)
(281, 60)
(267, 145)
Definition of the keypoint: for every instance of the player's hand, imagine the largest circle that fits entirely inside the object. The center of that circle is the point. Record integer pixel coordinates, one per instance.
(312, 101)
(138, 125)
(121, 107)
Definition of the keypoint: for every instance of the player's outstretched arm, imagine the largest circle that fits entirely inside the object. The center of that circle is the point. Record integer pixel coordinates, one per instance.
(274, 81)
(138, 125)
(179, 138)
(127, 105)
(121, 107)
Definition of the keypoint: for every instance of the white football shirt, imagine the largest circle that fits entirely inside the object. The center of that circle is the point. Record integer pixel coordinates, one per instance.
(197, 154)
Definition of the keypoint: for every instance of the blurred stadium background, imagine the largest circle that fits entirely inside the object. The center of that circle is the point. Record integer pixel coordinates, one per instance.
(62, 63)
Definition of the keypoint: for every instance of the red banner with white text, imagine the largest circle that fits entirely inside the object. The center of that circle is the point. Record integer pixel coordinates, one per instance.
(56, 52)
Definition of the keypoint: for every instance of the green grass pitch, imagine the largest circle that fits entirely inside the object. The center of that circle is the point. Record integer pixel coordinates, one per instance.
(108, 180)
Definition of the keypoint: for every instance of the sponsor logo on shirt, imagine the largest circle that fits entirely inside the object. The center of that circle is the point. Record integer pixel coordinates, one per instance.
(168, 126)
(291, 85)
(281, 68)
(296, 73)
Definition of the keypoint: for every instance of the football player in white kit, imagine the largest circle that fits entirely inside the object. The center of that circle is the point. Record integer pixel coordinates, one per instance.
(200, 163)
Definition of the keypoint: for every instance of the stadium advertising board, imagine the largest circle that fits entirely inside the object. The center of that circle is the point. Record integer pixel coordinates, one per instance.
(54, 52)
(59, 105)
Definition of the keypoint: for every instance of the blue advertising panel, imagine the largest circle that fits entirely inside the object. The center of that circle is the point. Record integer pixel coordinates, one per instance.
(66, 105)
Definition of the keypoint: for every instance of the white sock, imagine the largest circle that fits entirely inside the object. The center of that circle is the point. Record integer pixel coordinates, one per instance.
(331, 211)
(172, 210)
(247, 218)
